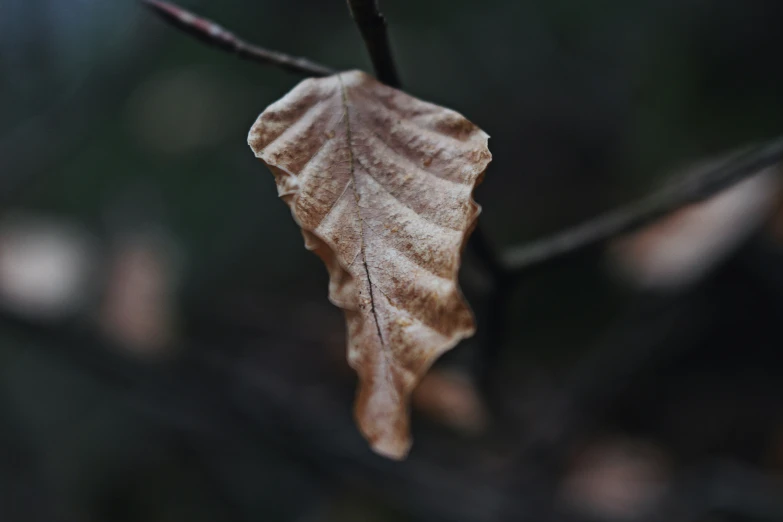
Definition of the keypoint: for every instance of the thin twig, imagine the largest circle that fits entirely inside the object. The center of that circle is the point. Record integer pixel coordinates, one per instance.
(372, 26)
(519, 259)
(368, 19)
(691, 189)
(214, 35)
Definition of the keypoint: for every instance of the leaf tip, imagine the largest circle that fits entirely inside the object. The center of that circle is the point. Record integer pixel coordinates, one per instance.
(393, 448)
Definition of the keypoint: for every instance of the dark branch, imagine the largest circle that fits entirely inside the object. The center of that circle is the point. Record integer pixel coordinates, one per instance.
(372, 26)
(691, 189)
(625, 219)
(214, 35)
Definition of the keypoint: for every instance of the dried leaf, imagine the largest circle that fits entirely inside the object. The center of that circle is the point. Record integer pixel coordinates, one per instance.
(381, 184)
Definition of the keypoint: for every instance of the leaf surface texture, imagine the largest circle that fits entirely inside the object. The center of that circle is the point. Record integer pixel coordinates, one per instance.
(381, 184)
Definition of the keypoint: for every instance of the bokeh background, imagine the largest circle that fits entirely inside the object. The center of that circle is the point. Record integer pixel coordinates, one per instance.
(168, 352)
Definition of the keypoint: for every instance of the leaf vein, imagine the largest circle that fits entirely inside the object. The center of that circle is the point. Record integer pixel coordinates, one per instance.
(361, 220)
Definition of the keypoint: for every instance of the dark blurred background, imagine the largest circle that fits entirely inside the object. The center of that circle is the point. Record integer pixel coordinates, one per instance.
(168, 351)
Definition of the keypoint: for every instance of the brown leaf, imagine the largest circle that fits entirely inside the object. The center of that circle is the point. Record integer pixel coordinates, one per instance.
(381, 184)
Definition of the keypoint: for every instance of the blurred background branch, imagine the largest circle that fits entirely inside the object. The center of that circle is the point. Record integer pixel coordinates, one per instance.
(699, 184)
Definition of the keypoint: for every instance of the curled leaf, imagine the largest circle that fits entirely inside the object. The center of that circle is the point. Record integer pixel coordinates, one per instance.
(381, 184)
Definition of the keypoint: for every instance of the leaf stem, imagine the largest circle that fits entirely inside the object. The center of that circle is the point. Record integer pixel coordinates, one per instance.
(372, 26)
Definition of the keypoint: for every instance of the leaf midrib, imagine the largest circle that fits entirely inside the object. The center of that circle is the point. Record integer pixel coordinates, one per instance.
(357, 198)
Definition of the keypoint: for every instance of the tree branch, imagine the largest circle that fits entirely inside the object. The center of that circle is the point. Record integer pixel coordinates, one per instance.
(701, 185)
(372, 26)
(214, 35)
